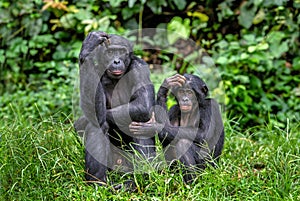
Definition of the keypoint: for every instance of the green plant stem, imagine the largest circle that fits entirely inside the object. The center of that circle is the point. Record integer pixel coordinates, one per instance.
(140, 23)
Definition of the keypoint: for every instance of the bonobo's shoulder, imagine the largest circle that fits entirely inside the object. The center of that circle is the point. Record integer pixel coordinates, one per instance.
(140, 66)
(212, 103)
(136, 60)
(211, 100)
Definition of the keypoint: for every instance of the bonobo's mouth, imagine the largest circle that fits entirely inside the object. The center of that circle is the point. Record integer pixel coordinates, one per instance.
(116, 72)
(185, 108)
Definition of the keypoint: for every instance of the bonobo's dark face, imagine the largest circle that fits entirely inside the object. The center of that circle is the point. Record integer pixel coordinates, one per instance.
(118, 58)
(186, 98)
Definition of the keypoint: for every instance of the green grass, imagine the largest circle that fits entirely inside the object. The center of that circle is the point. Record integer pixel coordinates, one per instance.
(43, 159)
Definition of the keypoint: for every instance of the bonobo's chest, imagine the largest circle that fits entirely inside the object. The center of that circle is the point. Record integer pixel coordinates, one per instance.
(187, 120)
(117, 93)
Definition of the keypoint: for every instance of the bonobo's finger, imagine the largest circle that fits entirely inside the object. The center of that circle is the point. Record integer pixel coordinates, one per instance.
(107, 43)
(105, 38)
(152, 120)
(98, 37)
(173, 81)
(136, 131)
(180, 78)
(136, 123)
(134, 127)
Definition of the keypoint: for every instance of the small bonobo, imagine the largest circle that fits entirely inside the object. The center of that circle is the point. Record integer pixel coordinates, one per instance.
(115, 89)
(193, 132)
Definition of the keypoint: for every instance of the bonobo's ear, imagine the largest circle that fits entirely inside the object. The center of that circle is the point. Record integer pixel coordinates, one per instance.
(204, 89)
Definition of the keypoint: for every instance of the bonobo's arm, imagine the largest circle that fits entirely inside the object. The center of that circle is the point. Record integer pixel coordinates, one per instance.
(138, 109)
(156, 124)
(142, 100)
(92, 40)
(168, 84)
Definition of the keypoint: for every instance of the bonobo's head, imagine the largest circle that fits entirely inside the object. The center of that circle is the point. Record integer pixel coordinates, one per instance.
(186, 98)
(191, 94)
(117, 56)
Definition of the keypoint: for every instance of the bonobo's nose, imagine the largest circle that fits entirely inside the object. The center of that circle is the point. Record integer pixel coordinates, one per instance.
(185, 99)
(116, 61)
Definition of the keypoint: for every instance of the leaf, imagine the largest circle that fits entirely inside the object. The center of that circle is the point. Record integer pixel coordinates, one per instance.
(259, 17)
(277, 51)
(131, 3)
(277, 47)
(246, 17)
(296, 63)
(68, 20)
(262, 46)
(275, 36)
(2, 56)
(178, 28)
(127, 12)
(115, 3)
(180, 4)
(222, 60)
(255, 82)
(203, 17)
(156, 5)
(251, 49)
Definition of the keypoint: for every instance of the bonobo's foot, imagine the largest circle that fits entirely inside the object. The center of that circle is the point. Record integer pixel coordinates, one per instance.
(128, 185)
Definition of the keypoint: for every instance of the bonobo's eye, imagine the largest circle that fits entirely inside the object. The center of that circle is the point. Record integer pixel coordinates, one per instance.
(180, 92)
(190, 93)
(109, 52)
(122, 51)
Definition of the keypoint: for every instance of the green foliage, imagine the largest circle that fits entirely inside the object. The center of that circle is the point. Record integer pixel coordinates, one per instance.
(260, 65)
(178, 28)
(45, 37)
(257, 79)
(255, 45)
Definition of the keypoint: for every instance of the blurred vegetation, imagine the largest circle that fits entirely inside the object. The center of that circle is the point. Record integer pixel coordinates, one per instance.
(254, 43)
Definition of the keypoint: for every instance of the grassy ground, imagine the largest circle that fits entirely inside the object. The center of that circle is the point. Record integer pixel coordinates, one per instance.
(43, 159)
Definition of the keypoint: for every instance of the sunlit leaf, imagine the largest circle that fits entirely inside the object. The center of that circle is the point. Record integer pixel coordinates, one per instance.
(203, 17)
(178, 28)
(259, 17)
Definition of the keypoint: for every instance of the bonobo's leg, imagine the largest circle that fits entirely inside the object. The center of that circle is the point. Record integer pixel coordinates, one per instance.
(146, 147)
(189, 154)
(80, 125)
(185, 152)
(97, 151)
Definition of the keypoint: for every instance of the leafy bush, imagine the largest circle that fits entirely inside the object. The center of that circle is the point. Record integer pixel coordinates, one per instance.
(255, 44)
(261, 65)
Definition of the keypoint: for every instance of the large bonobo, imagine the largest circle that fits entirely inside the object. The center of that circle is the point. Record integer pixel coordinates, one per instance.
(193, 132)
(115, 89)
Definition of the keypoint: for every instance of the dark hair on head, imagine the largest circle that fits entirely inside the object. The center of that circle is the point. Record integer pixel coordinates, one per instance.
(198, 85)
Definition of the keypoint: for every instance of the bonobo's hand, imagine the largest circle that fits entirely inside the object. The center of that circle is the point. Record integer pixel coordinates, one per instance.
(93, 39)
(174, 81)
(149, 128)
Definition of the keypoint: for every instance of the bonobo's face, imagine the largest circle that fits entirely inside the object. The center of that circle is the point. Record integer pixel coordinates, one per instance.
(118, 58)
(186, 98)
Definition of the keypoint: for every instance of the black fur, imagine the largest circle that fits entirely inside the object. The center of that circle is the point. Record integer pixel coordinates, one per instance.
(123, 93)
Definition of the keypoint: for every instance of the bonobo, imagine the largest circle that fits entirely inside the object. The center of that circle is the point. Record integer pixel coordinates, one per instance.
(193, 132)
(115, 89)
